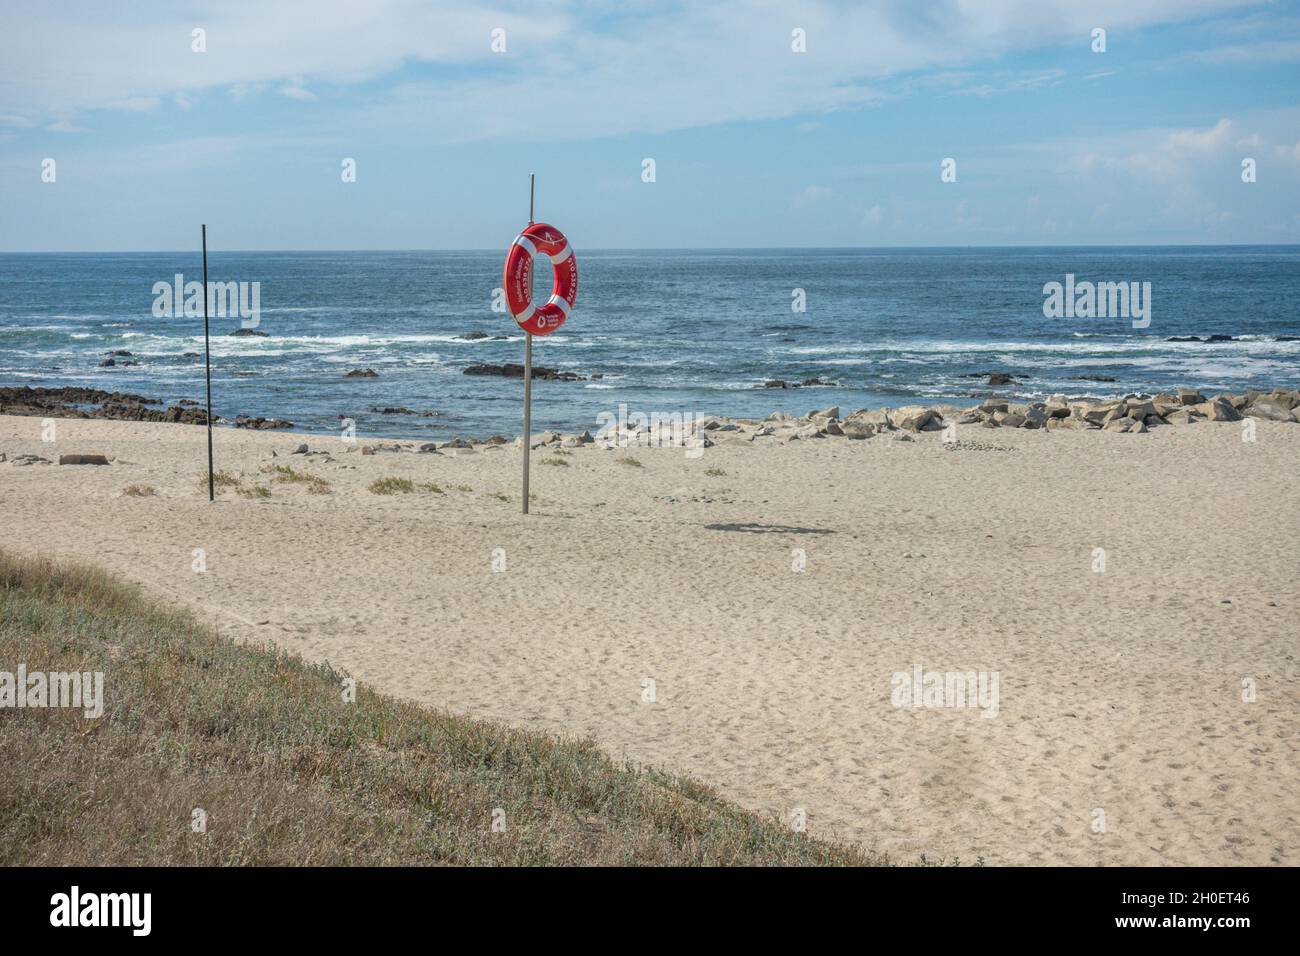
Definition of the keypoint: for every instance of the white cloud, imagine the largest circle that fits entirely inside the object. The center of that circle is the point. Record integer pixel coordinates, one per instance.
(568, 73)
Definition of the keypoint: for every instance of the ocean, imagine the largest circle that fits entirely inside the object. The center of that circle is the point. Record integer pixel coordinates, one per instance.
(665, 331)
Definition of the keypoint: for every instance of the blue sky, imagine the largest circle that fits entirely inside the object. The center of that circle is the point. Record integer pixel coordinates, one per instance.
(754, 144)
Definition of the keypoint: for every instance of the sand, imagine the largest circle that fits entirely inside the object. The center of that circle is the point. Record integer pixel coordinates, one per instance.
(1121, 734)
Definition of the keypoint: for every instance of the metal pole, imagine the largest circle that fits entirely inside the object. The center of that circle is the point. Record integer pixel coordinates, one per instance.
(528, 367)
(207, 357)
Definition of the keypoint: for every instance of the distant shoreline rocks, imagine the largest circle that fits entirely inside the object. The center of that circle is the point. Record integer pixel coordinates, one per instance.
(511, 370)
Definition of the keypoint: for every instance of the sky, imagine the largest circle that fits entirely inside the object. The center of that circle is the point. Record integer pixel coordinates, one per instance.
(809, 124)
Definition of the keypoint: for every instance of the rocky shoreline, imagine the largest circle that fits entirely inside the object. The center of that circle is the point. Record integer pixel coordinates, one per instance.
(1134, 413)
(118, 406)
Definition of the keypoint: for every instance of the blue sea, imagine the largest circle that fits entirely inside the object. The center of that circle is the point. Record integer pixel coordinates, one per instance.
(666, 331)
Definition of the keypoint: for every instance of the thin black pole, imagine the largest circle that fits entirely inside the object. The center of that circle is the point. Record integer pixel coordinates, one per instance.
(528, 367)
(207, 357)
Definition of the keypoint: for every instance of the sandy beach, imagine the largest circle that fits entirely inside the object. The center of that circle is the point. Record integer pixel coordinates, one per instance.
(660, 608)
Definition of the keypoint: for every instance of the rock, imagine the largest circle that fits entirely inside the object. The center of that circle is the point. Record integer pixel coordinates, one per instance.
(971, 417)
(911, 417)
(1139, 409)
(1000, 378)
(1100, 413)
(367, 450)
(1093, 378)
(832, 412)
(1011, 420)
(833, 427)
(857, 431)
(1035, 417)
(779, 417)
(1218, 409)
(1121, 424)
(878, 417)
(394, 410)
(362, 373)
(1291, 399)
(300, 450)
(107, 363)
(259, 423)
(814, 382)
(473, 336)
(1183, 416)
(583, 439)
(30, 460)
(1183, 338)
(511, 370)
(1271, 410)
(454, 443)
(500, 440)
(82, 460)
(903, 436)
(243, 331)
(804, 433)
(428, 448)
(1190, 396)
(118, 353)
(992, 407)
(189, 355)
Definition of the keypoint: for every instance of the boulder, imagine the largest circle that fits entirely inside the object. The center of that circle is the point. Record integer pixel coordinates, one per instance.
(428, 448)
(1218, 409)
(1190, 396)
(362, 373)
(243, 331)
(913, 418)
(1010, 420)
(857, 430)
(832, 412)
(511, 370)
(82, 460)
(1035, 417)
(1000, 378)
(1271, 410)
(1121, 424)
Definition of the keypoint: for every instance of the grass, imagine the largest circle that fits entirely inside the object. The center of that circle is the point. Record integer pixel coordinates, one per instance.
(285, 474)
(715, 472)
(431, 486)
(221, 481)
(288, 772)
(392, 486)
(499, 496)
(555, 461)
(461, 488)
(140, 491)
(629, 461)
(254, 491)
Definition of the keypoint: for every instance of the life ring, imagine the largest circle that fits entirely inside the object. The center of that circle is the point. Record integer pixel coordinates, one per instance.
(540, 239)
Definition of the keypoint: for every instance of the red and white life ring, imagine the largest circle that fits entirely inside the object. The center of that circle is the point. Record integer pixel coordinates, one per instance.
(540, 239)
